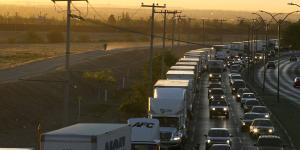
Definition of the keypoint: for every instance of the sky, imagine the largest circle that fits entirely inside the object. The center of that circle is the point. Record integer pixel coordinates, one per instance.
(238, 5)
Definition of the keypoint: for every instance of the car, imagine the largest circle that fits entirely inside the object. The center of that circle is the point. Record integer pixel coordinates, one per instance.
(215, 76)
(261, 127)
(234, 76)
(272, 142)
(216, 94)
(217, 136)
(214, 85)
(293, 58)
(220, 147)
(240, 93)
(235, 68)
(297, 82)
(237, 84)
(247, 119)
(247, 96)
(259, 56)
(218, 108)
(261, 110)
(249, 105)
(271, 65)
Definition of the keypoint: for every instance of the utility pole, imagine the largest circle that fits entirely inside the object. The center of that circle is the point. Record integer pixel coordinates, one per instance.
(203, 30)
(174, 27)
(153, 6)
(67, 60)
(222, 20)
(179, 18)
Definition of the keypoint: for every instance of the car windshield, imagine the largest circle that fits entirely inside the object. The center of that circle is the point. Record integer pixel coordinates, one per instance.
(266, 123)
(144, 147)
(217, 92)
(215, 85)
(252, 103)
(218, 133)
(259, 110)
(236, 77)
(252, 116)
(218, 103)
(270, 142)
(248, 96)
(239, 84)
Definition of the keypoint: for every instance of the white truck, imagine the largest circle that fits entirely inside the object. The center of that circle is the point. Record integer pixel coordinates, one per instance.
(169, 106)
(215, 69)
(186, 68)
(197, 60)
(221, 51)
(145, 133)
(202, 54)
(88, 136)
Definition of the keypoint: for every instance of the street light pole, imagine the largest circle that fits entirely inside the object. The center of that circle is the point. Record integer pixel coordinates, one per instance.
(279, 22)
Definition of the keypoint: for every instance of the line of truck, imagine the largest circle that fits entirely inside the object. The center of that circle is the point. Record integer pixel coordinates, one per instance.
(165, 127)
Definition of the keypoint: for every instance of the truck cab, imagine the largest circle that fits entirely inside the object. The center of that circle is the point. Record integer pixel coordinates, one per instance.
(145, 134)
(215, 69)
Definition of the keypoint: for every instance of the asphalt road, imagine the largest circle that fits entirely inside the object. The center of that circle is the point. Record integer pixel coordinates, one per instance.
(201, 122)
(48, 65)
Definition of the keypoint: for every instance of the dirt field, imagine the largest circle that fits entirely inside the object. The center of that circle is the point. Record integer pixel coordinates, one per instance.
(23, 104)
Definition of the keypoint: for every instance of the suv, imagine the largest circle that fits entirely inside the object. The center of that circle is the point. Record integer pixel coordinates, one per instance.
(218, 108)
(247, 96)
(217, 136)
(261, 110)
(237, 84)
(215, 76)
(216, 94)
(249, 104)
(271, 65)
(234, 76)
(269, 142)
(261, 127)
(240, 93)
(214, 85)
(247, 119)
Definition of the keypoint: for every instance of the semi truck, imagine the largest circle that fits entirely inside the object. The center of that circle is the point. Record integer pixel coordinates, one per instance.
(88, 136)
(145, 133)
(169, 106)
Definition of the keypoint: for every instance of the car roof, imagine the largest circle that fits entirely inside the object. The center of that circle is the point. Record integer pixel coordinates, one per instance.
(265, 119)
(269, 137)
(259, 106)
(218, 129)
(238, 80)
(248, 93)
(217, 89)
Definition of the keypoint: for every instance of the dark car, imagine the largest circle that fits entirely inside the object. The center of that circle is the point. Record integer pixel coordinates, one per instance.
(218, 108)
(216, 94)
(237, 84)
(271, 65)
(240, 93)
(217, 136)
(293, 58)
(215, 76)
(249, 104)
(247, 119)
(261, 127)
(214, 85)
(220, 147)
(297, 82)
(272, 142)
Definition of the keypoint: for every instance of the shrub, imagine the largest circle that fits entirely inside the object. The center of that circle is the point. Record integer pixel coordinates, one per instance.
(55, 37)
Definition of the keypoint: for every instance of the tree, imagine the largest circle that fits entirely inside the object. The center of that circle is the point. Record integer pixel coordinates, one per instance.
(291, 36)
(33, 37)
(112, 20)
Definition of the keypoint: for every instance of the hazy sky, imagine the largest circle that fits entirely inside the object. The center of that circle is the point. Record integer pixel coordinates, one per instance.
(249, 5)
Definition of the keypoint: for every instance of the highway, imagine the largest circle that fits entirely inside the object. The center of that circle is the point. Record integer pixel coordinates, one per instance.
(201, 122)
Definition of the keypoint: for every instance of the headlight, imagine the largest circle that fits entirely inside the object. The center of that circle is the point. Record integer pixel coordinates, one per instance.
(219, 76)
(212, 97)
(233, 88)
(260, 57)
(225, 109)
(222, 96)
(270, 131)
(244, 123)
(255, 130)
(209, 90)
(176, 138)
(267, 116)
(213, 108)
(238, 95)
(255, 57)
(227, 141)
(208, 141)
(210, 75)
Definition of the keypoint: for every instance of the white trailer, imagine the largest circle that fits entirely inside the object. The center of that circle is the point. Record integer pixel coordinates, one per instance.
(197, 60)
(88, 136)
(169, 106)
(145, 133)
